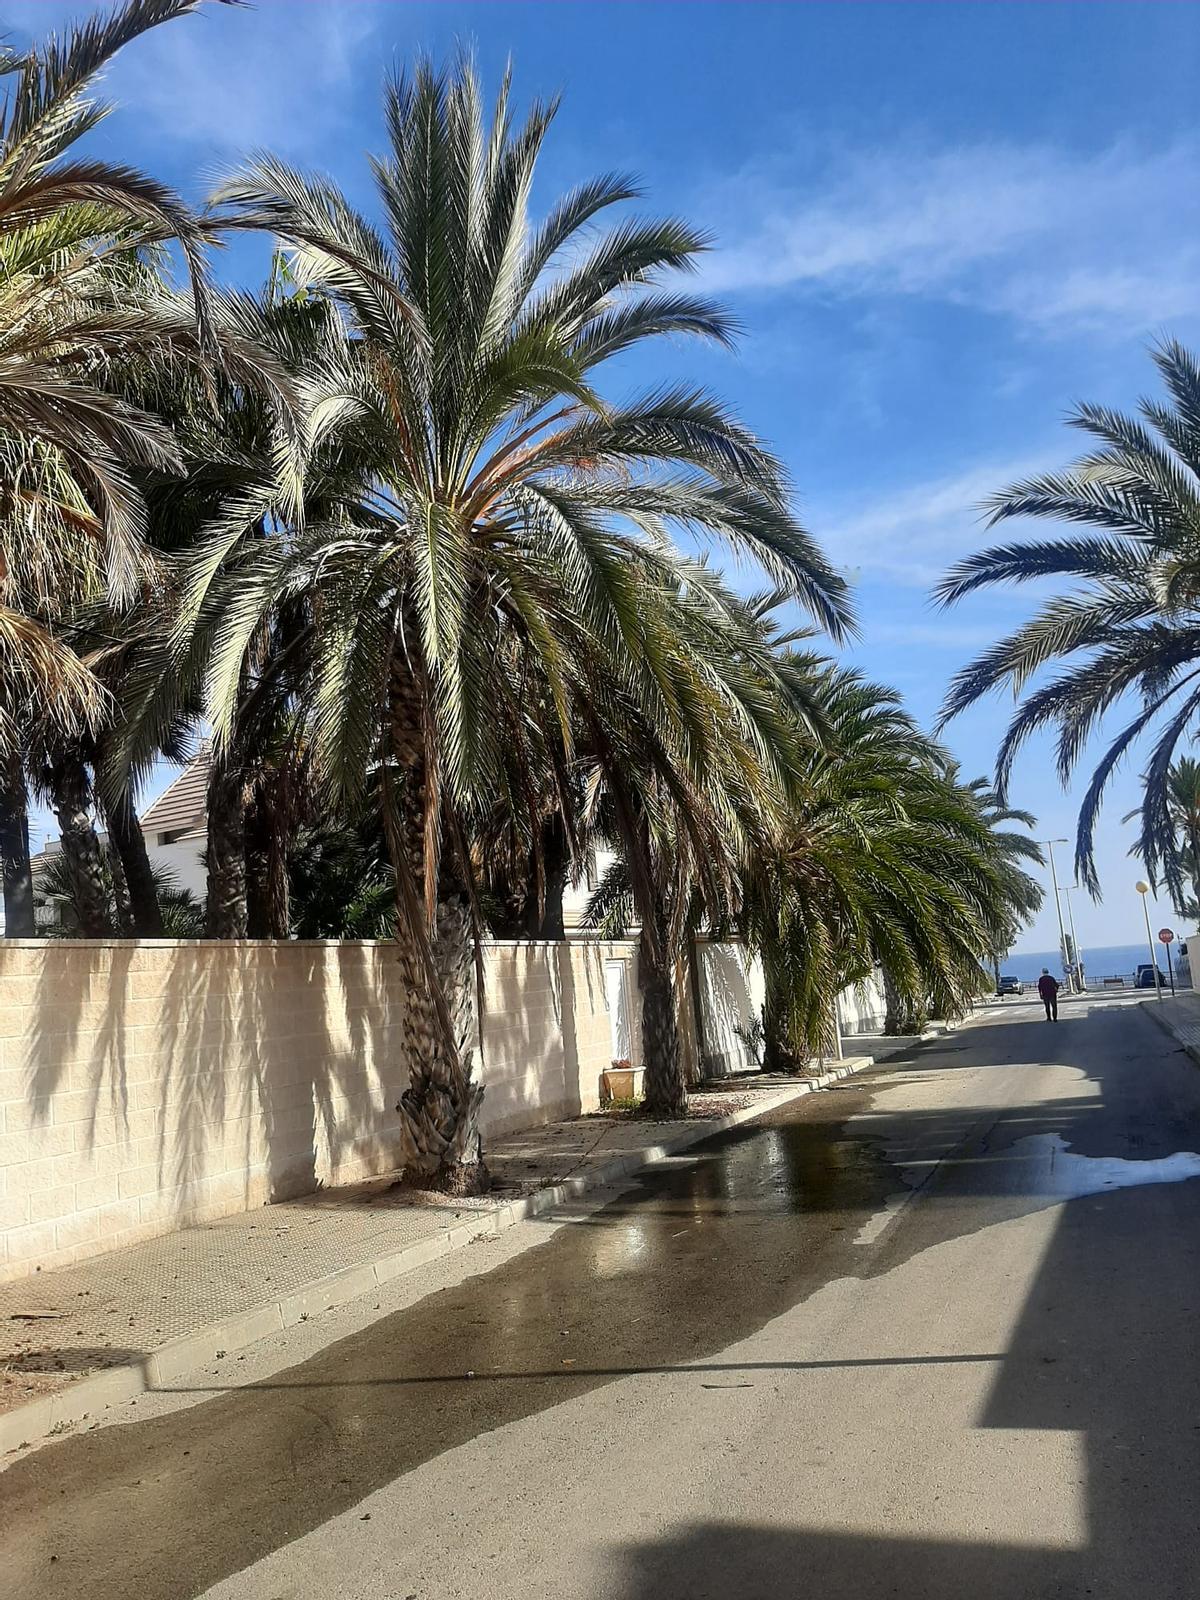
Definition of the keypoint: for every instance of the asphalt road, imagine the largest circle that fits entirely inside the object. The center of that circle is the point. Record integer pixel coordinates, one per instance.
(932, 1333)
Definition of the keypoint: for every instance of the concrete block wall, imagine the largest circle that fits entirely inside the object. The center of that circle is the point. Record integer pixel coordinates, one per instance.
(148, 1084)
(547, 1035)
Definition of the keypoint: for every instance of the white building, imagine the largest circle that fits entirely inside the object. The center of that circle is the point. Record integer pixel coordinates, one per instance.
(175, 827)
(175, 830)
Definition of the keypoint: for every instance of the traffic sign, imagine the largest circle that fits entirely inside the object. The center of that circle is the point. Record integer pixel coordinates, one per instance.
(1165, 935)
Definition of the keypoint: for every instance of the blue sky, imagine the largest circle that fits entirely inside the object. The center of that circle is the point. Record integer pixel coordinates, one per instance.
(938, 225)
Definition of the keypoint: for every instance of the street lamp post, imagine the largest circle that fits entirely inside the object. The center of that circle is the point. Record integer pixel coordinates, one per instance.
(1067, 887)
(1143, 889)
(1062, 932)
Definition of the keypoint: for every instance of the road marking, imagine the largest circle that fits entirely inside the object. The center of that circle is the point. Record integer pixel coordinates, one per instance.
(870, 1231)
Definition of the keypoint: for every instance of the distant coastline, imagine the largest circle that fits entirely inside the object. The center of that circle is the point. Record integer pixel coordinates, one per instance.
(1099, 961)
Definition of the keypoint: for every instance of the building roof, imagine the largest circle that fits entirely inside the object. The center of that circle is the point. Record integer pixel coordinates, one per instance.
(180, 808)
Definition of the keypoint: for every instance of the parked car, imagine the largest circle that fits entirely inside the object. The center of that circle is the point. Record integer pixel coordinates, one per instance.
(1010, 986)
(1146, 974)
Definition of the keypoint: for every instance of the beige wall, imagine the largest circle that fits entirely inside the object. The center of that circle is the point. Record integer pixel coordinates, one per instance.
(546, 1032)
(147, 1084)
(730, 981)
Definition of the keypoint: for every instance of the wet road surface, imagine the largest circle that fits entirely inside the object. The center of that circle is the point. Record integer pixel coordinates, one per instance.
(932, 1333)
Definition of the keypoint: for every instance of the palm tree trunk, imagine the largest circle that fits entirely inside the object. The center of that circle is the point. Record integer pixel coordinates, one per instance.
(121, 904)
(268, 897)
(778, 1053)
(258, 915)
(556, 865)
(71, 795)
(515, 912)
(893, 1013)
(226, 914)
(441, 1146)
(666, 1091)
(14, 853)
(553, 925)
(901, 1015)
(129, 845)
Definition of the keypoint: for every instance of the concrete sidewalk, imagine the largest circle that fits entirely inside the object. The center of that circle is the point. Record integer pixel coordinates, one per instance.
(882, 1045)
(1179, 1014)
(75, 1341)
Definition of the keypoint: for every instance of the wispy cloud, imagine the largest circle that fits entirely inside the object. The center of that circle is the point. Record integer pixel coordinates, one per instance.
(290, 77)
(1053, 239)
(911, 533)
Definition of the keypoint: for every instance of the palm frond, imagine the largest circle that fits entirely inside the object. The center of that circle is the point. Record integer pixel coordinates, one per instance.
(1130, 629)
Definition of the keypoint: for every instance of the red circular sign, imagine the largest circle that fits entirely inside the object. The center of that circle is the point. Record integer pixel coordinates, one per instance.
(1165, 935)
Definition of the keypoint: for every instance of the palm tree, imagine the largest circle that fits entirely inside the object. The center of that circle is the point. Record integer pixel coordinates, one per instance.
(70, 233)
(1129, 626)
(1183, 800)
(1013, 848)
(885, 859)
(490, 503)
(232, 431)
(340, 883)
(670, 821)
(685, 809)
(73, 235)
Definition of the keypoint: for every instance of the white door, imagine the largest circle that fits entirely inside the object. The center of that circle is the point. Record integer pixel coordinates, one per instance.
(616, 994)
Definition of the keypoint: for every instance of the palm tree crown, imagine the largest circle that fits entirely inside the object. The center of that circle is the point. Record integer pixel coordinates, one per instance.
(886, 859)
(79, 292)
(501, 484)
(1183, 804)
(489, 548)
(1130, 627)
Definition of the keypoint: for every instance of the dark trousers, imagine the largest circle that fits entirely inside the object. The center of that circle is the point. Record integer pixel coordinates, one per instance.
(1051, 1005)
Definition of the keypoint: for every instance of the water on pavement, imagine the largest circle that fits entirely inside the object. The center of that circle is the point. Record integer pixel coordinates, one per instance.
(699, 1254)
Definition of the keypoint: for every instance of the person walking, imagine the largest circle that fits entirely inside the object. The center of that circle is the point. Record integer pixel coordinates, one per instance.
(1048, 989)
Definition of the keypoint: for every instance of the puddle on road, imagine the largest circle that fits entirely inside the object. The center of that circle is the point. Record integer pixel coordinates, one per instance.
(693, 1258)
(1040, 1169)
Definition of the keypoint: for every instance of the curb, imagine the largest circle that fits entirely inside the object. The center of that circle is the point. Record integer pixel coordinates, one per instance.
(1154, 1011)
(30, 1423)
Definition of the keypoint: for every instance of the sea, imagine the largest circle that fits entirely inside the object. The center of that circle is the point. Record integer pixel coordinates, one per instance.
(1099, 961)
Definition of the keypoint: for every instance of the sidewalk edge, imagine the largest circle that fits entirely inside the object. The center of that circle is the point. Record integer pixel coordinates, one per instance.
(31, 1423)
(1155, 1011)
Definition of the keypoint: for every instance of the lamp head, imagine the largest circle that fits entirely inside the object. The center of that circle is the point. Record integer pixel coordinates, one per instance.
(1142, 887)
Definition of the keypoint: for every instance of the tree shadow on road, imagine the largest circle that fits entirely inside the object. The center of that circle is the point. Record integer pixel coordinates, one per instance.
(696, 1259)
(1105, 1347)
